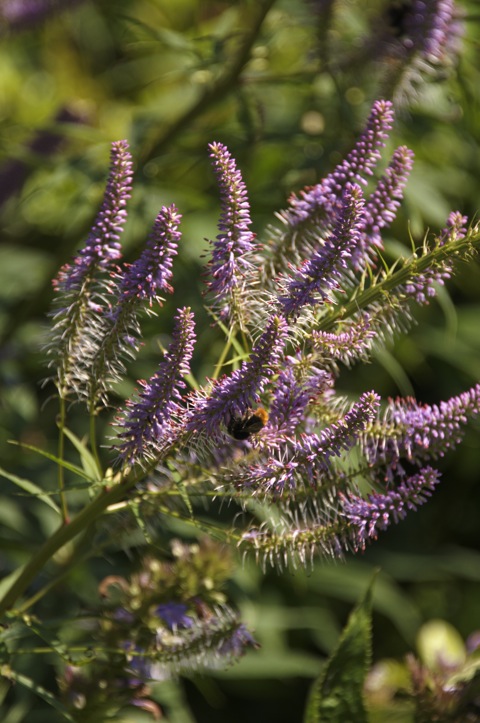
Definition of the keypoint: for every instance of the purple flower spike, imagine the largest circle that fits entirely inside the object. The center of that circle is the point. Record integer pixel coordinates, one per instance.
(149, 275)
(383, 204)
(376, 513)
(233, 395)
(309, 456)
(229, 262)
(318, 276)
(315, 451)
(144, 422)
(359, 163)
(420, 432)
(291, 397)
(102, 246)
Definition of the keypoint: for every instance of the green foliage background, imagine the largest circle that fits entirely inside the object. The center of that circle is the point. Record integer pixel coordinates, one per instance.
(162, 74)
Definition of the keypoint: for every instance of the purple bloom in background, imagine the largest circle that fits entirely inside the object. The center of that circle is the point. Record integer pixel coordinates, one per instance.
(431, 29)
(174, 615)
(376, 513)
(232, 395)
(229, 264)
(143, 424)
(102, 246)
(320, 274)
(21, 14)
(150, 273)
(416, 38)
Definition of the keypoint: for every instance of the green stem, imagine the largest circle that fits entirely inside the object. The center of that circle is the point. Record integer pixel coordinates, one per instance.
(93, 441)
(61, 451)
(223, 356)
(411, 269)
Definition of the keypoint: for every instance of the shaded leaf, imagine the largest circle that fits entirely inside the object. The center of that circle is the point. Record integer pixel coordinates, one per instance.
(337, 694)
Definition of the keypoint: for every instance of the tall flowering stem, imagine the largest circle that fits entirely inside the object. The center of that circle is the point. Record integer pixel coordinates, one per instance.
(80, 287)
(310, 214)
(230, 267)
(311, 471)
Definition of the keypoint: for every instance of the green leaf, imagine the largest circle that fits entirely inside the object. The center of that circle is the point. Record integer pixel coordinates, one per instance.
(337, 694)
(31, 488)
(37, 689)
(88, 460)
(53, 458)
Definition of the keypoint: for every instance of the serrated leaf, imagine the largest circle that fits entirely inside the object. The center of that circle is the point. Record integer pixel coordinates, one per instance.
(337, 694)
(31, 488)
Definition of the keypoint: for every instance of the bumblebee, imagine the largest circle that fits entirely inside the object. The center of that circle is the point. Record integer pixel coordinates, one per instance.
(242, 428)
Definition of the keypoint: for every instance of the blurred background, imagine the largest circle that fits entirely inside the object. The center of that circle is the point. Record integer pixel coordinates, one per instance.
(287, 85)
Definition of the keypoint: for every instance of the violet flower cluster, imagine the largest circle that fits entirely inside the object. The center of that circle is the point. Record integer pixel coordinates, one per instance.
(269, 432)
